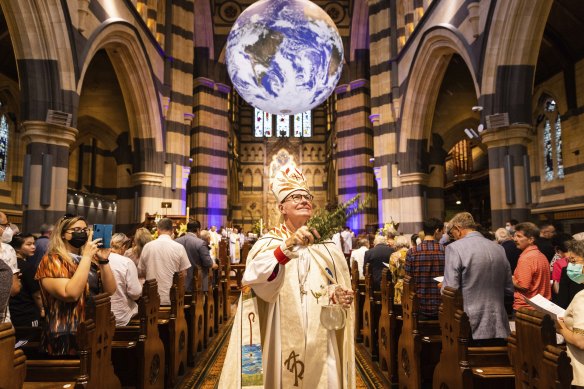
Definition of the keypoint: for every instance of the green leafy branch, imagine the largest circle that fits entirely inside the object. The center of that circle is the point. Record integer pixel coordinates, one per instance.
(329, 222)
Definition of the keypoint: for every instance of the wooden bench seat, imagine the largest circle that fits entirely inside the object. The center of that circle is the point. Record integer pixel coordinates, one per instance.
(467, 366)
(137, 351)
(195, 318)
(174, 332)
(93, 368)
(389, 328)
(538, 361)
(12, 362)
(371, 313)
(358, 286)
(419, 343)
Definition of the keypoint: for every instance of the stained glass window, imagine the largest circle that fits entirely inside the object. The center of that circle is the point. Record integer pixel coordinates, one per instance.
(259, 123)
(283, 126)
(263, 123)
(3, 147)
(552, 142)
(302, 124)
(267, 124)
(307, 124)
(298, 125)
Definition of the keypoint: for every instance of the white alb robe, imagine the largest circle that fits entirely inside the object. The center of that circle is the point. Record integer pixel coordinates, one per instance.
(290, 325)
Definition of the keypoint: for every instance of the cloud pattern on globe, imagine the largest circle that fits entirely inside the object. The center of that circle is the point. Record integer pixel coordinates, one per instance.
(284, 56)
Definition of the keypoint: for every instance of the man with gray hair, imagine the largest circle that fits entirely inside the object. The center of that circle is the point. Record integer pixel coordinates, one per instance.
(376, 257)
(161, 258)
(480, 269)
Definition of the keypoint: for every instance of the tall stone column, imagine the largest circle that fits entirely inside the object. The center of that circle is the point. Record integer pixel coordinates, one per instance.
(413, 204)
(148, 196)
(45, 172)
(209, 151)
(509, 180)
(355, 150)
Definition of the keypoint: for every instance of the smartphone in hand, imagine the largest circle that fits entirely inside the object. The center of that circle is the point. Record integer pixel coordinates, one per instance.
(103, 231)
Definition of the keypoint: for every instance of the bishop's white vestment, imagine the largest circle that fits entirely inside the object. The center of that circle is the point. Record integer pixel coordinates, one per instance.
(290, 287)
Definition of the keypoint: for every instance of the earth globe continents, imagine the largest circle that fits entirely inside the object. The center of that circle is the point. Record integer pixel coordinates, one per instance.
(284, 56)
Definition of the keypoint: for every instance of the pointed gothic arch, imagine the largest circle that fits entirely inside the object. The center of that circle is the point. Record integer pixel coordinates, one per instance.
(135, 75)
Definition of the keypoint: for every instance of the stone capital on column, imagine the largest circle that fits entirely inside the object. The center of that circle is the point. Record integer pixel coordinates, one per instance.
(515, 134)
(217, 86)
(147, 178)
(48, 133)
(416, 178)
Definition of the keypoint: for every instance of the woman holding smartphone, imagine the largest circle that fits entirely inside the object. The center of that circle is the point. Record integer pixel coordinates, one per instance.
(72, 270)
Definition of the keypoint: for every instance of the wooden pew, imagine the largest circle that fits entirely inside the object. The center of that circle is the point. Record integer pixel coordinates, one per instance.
(245, 251)
(464, 366)
(210, 328)
(174, 333)
(371, 312)
(94, 368)
(138, 353)
(419, 343)
(390, 325)
(12, 362)
(196, 319)
(224, 270)
(218, 296)
(358, 286)
(538, 362)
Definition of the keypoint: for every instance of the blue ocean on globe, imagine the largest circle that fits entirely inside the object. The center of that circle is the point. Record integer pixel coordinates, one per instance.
(284, 56)
(251, 361)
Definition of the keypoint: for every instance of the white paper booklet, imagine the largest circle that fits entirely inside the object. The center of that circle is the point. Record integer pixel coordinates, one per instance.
(542, 304)
(439, 279)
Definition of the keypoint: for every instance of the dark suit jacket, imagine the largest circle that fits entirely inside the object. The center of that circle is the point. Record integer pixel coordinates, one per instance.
(198, 253)
(375, 257)
(545, 246)
(512, 253)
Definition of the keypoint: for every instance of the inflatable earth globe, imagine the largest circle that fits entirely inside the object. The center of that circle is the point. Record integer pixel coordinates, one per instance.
(284, 56)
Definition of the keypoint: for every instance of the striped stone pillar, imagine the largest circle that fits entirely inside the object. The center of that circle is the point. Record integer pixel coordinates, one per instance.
(45, 172)
(180, 107)
(509, 178)
(383, 46)
(434, 192)
(355, 150)
(148, 196)
(412, 201)
(209, 151)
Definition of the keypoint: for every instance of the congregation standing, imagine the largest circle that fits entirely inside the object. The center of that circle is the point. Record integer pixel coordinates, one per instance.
(52, 278)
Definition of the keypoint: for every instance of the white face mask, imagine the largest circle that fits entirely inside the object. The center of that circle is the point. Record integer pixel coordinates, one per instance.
(7, 235)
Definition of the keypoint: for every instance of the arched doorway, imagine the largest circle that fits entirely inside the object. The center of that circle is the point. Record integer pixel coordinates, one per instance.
(456, 151)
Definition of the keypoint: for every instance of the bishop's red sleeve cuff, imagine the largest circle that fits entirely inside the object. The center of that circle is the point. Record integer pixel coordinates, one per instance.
(280, 256)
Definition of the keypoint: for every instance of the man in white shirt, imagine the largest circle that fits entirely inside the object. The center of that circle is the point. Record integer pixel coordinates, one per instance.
(347, 236)
(234, 246)
(359, 255)
(337, 240)
(163, 257)
(128, 287)
(8, 255)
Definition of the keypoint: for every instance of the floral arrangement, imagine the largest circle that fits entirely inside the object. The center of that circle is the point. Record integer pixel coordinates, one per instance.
(389, 228)
(181, 230)
(256, 228)
(329, 222)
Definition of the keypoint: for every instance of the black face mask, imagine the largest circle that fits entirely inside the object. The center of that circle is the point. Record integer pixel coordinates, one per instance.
(78, 239)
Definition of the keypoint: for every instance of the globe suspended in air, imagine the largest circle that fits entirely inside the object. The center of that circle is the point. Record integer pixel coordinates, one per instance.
(284, 56)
